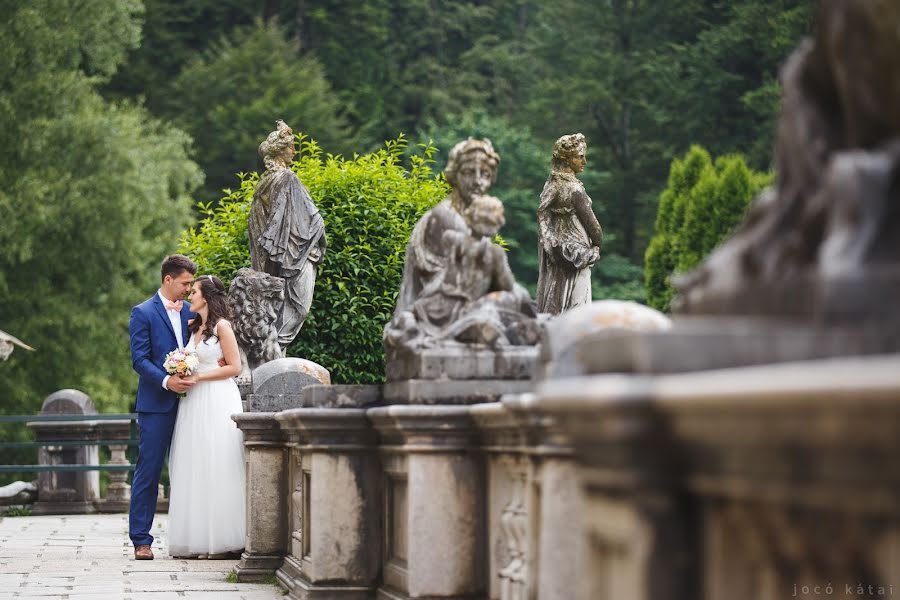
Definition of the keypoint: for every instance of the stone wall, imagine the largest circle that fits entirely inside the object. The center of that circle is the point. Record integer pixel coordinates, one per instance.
(737, 483)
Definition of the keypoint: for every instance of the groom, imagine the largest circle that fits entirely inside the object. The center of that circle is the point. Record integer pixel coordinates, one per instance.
(157, 326)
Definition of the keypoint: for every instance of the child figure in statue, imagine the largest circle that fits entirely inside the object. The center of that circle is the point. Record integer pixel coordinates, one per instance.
(476, 298)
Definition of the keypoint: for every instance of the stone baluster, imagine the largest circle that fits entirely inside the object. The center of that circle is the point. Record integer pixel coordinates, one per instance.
(118, 492)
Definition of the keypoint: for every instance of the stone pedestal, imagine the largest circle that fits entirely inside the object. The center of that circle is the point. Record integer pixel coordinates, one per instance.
(433, 498)
(335, 509)
(535, 512)
(458, 374)
(67, 492)
(265, 456)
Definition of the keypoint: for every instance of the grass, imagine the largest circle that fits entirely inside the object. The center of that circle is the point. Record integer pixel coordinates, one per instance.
(268, 579)
(17, 511)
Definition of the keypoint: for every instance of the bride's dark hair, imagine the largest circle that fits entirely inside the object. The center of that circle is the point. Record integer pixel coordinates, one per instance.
(213, 291)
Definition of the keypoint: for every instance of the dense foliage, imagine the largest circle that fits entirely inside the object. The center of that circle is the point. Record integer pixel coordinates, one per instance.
(701, 205)
(94, 195)
(98, 178)
(370, 204)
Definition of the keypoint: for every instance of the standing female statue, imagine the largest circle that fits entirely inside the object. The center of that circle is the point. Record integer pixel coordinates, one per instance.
(286, 231)
(569, 234)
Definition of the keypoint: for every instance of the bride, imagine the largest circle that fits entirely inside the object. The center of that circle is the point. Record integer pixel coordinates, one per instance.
(206, 460)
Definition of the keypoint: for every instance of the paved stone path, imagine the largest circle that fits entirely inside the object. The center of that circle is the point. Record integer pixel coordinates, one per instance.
(89, 557)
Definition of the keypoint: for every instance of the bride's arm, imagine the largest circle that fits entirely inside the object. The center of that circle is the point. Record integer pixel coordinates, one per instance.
(232, 355)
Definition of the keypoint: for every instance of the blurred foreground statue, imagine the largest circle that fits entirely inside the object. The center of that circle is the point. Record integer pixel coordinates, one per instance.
(286, 231)
(8, 343)
(458, 294)
(826, 240)
(569, 234)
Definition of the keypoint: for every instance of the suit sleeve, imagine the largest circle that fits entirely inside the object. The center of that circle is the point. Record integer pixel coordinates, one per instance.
(139, 329)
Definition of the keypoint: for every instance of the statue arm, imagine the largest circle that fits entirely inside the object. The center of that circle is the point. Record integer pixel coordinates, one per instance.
(581, 202)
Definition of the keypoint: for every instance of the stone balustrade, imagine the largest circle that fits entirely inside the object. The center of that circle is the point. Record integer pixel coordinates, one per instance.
(78, 491)
(737, 483)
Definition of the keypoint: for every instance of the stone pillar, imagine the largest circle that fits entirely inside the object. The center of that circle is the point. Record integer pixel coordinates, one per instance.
(265, 456)
(636, 533)
(434, 503)
(67, 492)
(335, 509)
(509, 499)
(118, 492)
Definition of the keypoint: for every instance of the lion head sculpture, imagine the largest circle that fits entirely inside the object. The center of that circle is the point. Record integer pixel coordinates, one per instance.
(255, 300)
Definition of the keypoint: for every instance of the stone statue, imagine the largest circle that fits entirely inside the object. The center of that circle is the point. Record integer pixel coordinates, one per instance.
(825, 241)
(570, 236)
(471, 171)
(457, 285)
(255, 300)
(8, 343)
(286, 231)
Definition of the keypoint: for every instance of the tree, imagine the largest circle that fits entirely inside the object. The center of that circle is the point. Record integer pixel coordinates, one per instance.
(229, 97)
(370, 204)
(94, 195)
(700, 207)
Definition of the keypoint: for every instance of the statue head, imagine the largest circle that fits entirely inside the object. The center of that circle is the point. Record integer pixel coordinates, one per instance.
(484, 216)
(569, 151)
(472, 168)
(278, 148)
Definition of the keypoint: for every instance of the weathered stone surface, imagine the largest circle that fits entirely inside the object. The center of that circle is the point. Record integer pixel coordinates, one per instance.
(461, 362)
(335, 508)
(701, 343)
(684, 475)
(266, 459)
(67, 492)
(255, 299)
(278, 385)
(433, 501)
(341, 396)
(458, 289)
(68, 402)
(286, 232)
(561, 351)
(569, 235)
(449, 391)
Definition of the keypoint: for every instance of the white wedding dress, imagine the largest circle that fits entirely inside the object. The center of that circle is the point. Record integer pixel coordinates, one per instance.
(206, 465)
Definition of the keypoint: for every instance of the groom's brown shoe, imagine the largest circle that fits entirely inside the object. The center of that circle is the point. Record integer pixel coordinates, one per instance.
(143, 552)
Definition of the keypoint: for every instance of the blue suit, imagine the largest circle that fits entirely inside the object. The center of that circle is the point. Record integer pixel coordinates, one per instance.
(152, 337)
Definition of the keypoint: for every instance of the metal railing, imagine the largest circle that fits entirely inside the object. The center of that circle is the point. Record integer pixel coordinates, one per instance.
(56, 438)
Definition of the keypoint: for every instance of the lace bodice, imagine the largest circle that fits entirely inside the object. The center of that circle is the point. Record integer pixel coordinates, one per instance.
(209, 352)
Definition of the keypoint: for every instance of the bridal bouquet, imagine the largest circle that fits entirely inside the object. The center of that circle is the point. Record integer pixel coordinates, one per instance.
(181, 362)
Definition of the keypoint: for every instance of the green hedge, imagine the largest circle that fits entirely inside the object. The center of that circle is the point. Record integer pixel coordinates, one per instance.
(701, 205)
(370, 204)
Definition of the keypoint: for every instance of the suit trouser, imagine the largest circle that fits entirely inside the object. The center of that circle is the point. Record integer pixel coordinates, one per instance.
(155, 437)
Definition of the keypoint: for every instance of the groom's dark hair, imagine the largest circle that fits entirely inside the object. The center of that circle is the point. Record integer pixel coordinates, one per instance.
(175, 265)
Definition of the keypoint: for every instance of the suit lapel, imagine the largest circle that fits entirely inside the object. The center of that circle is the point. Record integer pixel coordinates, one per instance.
(165, 316)
(185, 315)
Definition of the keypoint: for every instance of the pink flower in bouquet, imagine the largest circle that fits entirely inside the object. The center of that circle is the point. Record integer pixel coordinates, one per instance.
(181, 362)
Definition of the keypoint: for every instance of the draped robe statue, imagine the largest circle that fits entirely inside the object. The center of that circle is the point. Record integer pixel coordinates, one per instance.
(286, 231)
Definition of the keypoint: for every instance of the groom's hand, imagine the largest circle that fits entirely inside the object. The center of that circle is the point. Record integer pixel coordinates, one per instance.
(179, 384)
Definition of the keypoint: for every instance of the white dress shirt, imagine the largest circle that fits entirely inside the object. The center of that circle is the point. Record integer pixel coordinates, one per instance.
(175, 320)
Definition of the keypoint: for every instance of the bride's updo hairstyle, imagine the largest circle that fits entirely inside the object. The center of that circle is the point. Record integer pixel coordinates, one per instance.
(213, 291)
